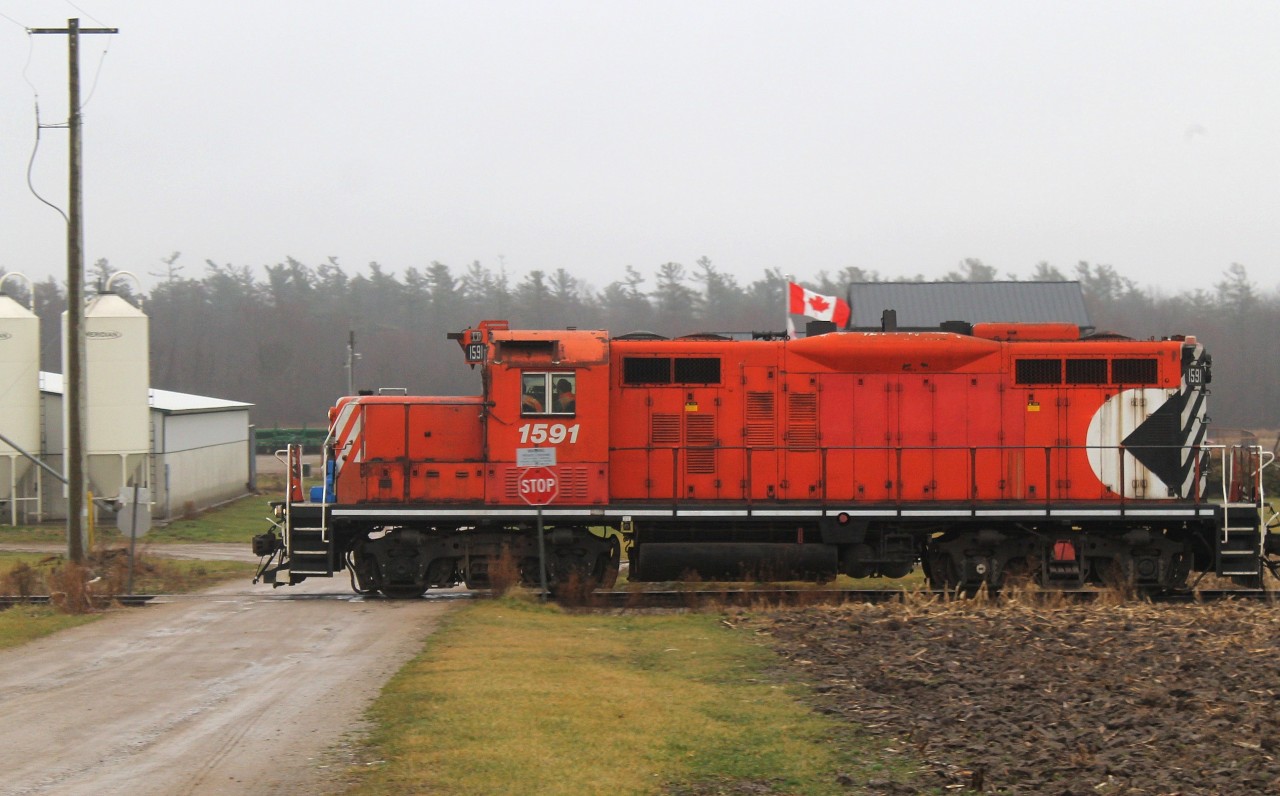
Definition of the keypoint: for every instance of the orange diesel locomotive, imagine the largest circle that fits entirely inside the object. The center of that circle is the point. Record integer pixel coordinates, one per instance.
(980, 452)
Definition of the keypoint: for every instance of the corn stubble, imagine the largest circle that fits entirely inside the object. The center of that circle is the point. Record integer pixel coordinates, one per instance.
(1030, 696)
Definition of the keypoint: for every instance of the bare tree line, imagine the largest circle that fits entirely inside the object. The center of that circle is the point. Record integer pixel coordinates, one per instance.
(277, 336)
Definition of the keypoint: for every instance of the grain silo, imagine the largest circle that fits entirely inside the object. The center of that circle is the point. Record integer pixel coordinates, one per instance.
(117, 384)
(19, 405)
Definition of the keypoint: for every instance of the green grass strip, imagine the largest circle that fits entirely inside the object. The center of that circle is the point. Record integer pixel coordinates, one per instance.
(517, 698)
(24, 623)
(236, 522)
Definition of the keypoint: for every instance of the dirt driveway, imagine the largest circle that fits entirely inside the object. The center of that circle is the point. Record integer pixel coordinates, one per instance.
(237, 690)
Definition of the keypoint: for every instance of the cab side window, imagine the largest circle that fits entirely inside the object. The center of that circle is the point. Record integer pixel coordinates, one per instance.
(533, 394)
(548, 393)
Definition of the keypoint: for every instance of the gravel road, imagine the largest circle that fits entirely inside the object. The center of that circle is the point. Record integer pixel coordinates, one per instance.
(236, 690)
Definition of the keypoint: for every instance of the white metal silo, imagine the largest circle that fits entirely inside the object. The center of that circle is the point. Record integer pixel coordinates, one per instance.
(117, 388)
(19, 405)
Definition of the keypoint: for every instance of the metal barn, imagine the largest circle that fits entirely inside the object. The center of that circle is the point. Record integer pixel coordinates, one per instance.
(201, 450)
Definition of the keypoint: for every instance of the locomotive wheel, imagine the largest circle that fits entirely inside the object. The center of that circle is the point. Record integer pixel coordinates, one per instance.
(855, 562)
(897, 569)
(943, 572)
(568, 578)
(940, 572)
(589, 563)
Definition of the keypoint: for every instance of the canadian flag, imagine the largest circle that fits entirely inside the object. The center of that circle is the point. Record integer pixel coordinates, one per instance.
(818, 306)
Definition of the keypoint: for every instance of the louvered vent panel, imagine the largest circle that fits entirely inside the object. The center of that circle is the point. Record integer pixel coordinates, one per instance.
(664, 429)
(760, 423)
(700, 429)
(700, 437)
(700, 461)
(802, 420)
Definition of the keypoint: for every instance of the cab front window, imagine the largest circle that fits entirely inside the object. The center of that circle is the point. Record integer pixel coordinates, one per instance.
(548, 393)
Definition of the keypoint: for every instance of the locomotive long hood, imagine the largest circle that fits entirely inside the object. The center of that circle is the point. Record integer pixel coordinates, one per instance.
(893, 352)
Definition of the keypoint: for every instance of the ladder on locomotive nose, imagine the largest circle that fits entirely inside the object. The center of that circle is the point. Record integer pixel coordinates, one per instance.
(308, 545)
(310, 552)
(1241, 545)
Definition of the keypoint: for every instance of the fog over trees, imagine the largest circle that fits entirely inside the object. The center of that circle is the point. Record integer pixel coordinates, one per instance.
(276, 336)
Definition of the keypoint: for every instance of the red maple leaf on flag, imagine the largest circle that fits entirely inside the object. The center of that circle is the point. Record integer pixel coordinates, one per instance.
(819, 303)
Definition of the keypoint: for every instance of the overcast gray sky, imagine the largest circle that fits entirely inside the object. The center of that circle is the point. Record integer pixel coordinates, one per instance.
(896, 136)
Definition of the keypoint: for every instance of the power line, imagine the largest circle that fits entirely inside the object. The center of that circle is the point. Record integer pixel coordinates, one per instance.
(35, 147)
(93, 87)
(86, 13)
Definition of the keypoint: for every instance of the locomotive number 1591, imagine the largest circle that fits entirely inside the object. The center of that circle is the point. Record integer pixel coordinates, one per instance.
(555, 433)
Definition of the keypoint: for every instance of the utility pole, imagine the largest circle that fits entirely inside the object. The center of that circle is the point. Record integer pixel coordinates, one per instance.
(352, 356)
(74, 371)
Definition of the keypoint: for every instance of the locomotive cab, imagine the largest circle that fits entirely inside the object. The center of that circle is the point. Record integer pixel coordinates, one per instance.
(547, 394)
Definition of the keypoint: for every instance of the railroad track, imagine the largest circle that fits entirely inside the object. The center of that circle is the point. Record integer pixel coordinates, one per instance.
(775, 598)
(129, 600)
(738, 598)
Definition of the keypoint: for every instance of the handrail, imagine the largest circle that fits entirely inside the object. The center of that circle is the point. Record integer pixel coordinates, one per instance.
(1262, 497)
(1048, 461)
(288, 492)
(1252, 463)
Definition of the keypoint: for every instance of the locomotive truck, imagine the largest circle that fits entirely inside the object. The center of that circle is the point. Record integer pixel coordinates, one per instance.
(981, 453)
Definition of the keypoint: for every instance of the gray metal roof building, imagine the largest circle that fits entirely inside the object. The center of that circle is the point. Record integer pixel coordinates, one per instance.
(926, 305)
(201, 450)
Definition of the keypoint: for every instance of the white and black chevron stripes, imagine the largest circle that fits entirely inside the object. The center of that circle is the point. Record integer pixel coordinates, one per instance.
(1150, 438)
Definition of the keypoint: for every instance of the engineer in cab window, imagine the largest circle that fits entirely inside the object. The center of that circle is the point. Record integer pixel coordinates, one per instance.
(565, 401)
(533, 395)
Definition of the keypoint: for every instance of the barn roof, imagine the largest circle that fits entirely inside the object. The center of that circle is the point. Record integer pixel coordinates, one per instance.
(167, 401)
(926, 305)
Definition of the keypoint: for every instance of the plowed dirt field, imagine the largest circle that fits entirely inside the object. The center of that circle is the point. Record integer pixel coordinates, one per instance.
(1068, 700)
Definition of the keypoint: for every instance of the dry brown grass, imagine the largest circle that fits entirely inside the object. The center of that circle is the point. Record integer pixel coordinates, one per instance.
(576, 591)
(21, 581)
(504, 573)
(69, 590)
(80, 588)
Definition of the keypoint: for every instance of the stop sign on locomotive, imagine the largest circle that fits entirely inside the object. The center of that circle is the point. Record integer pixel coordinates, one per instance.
(538, 486)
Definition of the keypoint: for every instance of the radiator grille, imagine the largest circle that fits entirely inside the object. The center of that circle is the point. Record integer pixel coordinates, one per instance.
(802, 420)
(760, 422)
(1134, 371)
(664, 429)
(700, 437)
